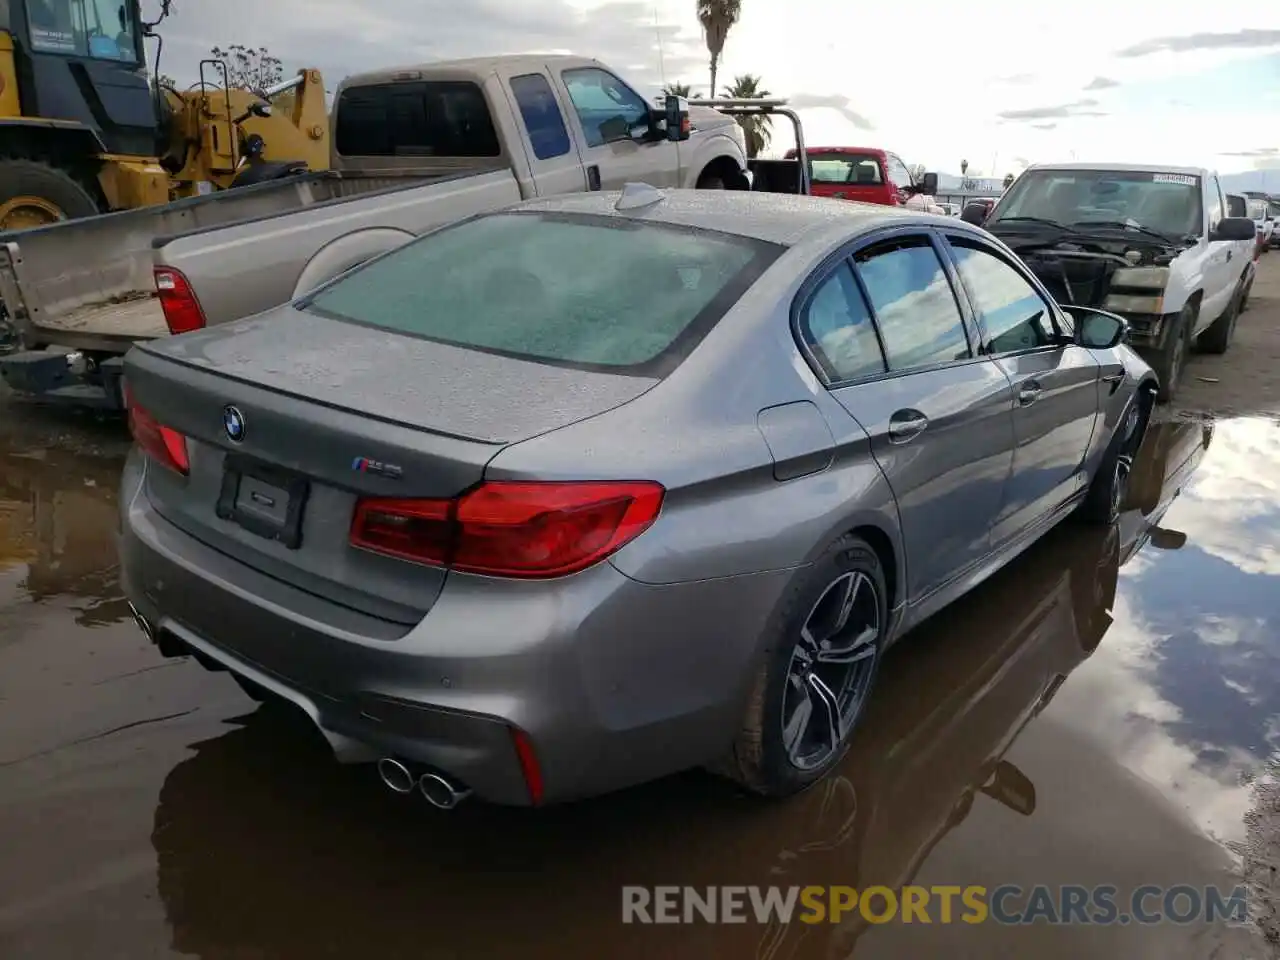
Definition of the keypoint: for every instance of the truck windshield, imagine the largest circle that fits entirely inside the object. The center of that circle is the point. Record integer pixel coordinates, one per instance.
(1167, 203)
(102, 29)
(592, 292)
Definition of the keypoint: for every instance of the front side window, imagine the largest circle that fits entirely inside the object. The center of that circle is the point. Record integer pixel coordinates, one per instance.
(102, 29)
(838, 329)
(1013, 314)
(913, 302)
(577, 291)
(898, 172)
(541, 115)
(607, 108)
(440, 118)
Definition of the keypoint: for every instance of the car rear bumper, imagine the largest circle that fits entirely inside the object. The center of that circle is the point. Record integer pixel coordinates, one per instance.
(614, 682)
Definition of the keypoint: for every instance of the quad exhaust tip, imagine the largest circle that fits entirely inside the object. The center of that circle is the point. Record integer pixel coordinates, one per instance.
(436, 788)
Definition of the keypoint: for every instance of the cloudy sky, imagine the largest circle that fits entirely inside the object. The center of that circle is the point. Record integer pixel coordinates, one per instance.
(986, 80)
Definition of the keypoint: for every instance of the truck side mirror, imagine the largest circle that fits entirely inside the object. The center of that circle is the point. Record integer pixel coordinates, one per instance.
(1235, 228)
(678, 125)
(974, 213)
(929, 184)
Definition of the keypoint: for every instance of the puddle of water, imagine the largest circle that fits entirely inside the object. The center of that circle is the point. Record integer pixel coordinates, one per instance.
(1093, 715)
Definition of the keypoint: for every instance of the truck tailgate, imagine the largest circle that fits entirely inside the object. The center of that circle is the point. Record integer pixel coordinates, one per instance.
(245, 268)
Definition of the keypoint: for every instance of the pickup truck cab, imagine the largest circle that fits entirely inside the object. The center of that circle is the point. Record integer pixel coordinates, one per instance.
(1151, 243)
(867, 175)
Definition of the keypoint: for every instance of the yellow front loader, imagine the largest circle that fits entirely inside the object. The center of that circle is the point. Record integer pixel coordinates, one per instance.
(83, 131)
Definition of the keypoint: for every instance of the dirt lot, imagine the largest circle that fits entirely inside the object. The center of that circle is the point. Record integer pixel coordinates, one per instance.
(1245, 381)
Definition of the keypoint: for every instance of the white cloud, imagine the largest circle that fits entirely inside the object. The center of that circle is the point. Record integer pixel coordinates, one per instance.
(930, 93)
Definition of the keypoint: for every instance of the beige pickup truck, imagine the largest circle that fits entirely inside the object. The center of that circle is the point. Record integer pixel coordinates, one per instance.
(414, 148)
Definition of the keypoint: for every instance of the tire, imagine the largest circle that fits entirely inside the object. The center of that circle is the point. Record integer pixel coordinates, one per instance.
(1109, 488)
(711, 181)
(1218, 337)
(53, 195)
(1173, 356)
(760, 759)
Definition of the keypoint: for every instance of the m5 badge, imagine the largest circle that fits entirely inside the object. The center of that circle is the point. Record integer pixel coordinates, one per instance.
(377, 467)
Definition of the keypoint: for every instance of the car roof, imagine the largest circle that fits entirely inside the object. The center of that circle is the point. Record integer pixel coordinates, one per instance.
(781, 218)
(1123, 167)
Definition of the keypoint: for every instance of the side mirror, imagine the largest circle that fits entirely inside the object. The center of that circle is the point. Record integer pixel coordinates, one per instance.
(1097, 329)
(1164, 539)
(1235, 228)
(677, 116)
(929, 184)
(1013, 788)
(974, 213)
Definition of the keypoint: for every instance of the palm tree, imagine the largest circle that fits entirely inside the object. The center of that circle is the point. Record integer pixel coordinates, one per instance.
(678, 90)
(758, 127)
(716, 17)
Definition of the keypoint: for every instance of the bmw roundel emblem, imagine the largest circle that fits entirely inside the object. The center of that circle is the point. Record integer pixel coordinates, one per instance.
(233, 423)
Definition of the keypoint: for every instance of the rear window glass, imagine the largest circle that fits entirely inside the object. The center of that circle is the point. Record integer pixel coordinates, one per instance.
(578, 291)
(845, 168)
(437, 119)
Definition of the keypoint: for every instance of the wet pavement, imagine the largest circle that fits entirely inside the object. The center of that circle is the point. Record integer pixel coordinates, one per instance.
(1099, 713)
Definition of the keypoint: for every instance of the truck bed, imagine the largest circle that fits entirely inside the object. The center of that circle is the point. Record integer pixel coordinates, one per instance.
(137, 318)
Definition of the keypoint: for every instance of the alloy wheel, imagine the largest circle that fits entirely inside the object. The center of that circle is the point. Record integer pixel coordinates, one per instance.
(831, 669)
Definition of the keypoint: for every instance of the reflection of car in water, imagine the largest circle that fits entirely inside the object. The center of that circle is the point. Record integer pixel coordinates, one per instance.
(1170, 454)
(262, 850)
(58, 517)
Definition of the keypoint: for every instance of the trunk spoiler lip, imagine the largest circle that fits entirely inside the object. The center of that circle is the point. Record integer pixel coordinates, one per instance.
(496, 445)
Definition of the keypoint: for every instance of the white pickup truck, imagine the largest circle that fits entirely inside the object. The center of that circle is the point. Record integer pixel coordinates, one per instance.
(413, 148)
(1151, 243)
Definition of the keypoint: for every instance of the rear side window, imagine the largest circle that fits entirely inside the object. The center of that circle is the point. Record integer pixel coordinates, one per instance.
(845, 168)
(582, 291)
(838, 329)
(541, 115)
(447, 118)
(913, 302)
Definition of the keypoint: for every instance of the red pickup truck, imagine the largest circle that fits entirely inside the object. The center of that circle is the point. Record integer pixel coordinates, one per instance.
(866, 174)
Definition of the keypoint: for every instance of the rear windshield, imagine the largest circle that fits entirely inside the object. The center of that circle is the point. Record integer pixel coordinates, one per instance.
(593, 292)
(448, 118)
(845, 168)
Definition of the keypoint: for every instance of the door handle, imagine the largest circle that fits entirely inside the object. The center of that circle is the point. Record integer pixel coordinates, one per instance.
(1029, 393)
(906, 425)
(593, 177)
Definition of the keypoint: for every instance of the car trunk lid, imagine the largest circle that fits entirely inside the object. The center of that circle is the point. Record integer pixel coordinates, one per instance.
(328, 412)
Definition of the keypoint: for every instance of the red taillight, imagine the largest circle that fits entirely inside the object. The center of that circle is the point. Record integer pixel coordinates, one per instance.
(163, 444)
(182, 312)
(508, 529)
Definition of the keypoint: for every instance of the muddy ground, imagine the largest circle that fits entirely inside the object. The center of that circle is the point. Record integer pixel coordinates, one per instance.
(1105, 712)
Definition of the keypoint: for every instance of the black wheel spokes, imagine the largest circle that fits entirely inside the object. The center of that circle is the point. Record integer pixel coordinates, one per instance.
(830, 669)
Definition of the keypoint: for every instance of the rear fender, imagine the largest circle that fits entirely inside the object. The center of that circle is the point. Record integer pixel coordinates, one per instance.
(350, 250)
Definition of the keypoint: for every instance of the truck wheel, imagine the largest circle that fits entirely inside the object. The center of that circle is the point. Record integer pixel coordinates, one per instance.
(1173, 356)
(33, 194)
(816, 677)
(711, 181)
(1218, 337)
